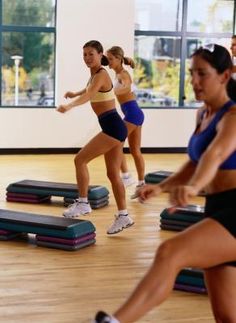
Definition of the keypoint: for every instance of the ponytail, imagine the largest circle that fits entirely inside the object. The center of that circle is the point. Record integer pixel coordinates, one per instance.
(231, 89)
(129, 61)
(104, 60)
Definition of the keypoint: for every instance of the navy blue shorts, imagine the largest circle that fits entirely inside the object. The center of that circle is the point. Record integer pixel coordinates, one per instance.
(132, 112)
(113, 125)
(222, 208)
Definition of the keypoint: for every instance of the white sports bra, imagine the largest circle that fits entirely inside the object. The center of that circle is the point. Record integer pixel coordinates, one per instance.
(118, 85)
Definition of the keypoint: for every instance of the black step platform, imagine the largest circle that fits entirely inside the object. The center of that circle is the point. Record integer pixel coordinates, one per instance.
(157, 176)
(191, 280)
(182, 218)
(13, 222)
(33, 191)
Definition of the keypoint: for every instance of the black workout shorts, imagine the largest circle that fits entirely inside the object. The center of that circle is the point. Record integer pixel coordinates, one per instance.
(113, 125)
(222, 207)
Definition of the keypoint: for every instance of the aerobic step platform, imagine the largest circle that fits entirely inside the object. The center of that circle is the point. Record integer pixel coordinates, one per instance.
(33, 191)
(51, 231)
(191, 280)
(96, 204)
(157, 177)
(182, 218)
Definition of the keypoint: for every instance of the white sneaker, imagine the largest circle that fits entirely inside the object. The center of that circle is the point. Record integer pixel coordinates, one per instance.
(135, 194)
(128, 181)
(103, 317)
(76, 209)
(121, 222)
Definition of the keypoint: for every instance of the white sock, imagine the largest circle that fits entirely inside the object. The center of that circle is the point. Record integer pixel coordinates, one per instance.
(83, 200)
(123, 212)
(125, 175)
(140, 183)
(114, 320)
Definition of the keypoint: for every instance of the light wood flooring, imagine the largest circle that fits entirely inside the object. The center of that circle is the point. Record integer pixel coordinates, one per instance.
(53, 286)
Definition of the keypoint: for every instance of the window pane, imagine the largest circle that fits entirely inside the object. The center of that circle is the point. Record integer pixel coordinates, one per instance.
(33, 84)
(210, 16)
(192, 45)
(158, 15)
(156, 74)
(29, 12)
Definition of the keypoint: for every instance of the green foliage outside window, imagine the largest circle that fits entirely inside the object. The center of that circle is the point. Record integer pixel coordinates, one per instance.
(34, 43)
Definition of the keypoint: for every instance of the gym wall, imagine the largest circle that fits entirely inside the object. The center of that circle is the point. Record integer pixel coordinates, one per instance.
(112, 23)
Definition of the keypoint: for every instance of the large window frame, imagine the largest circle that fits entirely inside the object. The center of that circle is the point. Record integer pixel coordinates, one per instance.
(26, 29)
(183, 34)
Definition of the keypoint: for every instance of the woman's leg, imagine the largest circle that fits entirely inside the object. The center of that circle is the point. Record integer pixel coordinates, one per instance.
(113, 161)
(203, 245)
(134, 139)
(126, 177)
(221, 285)
(124, 166)
(97, 146)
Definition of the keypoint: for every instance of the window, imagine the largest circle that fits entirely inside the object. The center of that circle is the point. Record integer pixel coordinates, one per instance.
(166, 34)
(157, 70)
(27, 43)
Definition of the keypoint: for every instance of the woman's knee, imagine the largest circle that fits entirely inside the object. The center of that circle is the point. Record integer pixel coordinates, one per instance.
(113, 175)
(167, 251)
(79, 160)
(135, 151)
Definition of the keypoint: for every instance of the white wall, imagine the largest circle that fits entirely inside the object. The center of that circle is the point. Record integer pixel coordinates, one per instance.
(112, 23)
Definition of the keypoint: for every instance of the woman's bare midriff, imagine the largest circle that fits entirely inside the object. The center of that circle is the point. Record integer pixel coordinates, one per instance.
(223, 181)
(101, 107)
(122, 98)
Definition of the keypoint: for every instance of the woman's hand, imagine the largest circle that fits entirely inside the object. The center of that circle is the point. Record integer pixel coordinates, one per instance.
(147, 191)
(180, 196)
(63, 108)
(69, 95)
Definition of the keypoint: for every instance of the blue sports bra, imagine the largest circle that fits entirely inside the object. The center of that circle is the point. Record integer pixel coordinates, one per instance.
(200, 141)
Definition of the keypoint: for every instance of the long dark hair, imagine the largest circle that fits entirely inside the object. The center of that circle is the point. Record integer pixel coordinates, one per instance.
(98, 47)
(219, 58)
(216, 55)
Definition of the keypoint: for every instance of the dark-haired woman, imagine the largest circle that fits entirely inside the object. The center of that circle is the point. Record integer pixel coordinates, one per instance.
(134, 117)
(211, 243)
(109, 142)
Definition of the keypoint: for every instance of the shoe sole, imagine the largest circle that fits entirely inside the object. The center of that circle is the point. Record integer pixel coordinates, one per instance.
(126, 227)
(75, 216)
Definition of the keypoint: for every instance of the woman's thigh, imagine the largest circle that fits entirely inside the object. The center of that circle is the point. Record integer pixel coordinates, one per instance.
(204, 244)
(221, 285)
(98, 145)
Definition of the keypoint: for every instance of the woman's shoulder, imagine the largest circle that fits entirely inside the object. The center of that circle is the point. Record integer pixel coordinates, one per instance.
(101, 73)
(232, 109)
(124, 72)
(101, 70)
(125, 75)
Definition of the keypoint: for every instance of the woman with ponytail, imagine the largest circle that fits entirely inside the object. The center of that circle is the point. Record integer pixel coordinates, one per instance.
(109, 142)
(134, 117)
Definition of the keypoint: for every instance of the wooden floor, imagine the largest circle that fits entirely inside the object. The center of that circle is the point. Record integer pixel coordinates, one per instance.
(51, 286)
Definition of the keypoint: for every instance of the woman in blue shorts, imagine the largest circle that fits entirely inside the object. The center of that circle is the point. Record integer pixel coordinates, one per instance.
(134, 116)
